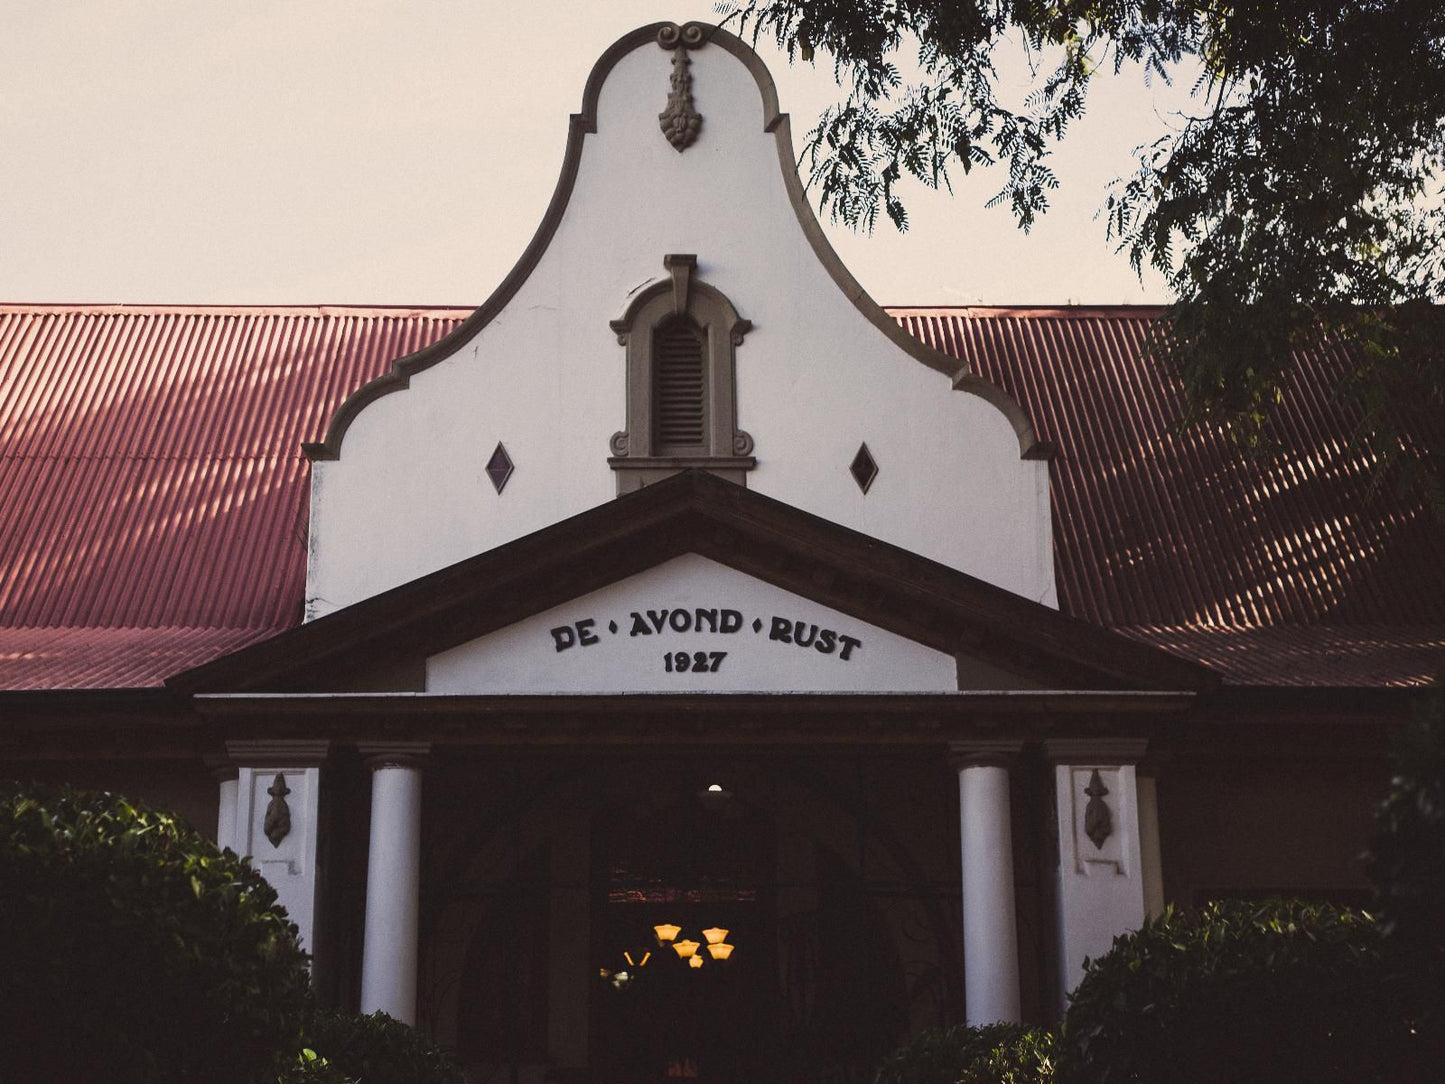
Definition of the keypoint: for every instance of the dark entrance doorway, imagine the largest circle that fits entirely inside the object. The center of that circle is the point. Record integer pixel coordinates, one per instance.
(839, 895)
(676, 873)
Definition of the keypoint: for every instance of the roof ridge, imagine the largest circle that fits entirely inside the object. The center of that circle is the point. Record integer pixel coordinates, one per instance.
(109, 308)
(1031, 311)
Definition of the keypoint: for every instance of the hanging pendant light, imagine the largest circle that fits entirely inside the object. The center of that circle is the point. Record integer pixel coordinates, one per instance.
(720, 950)
(694, 962)
(715, 936)
(687, 950)
(666, 933)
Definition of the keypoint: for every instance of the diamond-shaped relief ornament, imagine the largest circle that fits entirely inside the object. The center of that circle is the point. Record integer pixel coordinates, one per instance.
(500, 467)
(863, 468)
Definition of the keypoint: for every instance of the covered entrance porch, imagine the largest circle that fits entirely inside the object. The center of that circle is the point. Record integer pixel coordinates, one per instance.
(500, 777)
(881, 863)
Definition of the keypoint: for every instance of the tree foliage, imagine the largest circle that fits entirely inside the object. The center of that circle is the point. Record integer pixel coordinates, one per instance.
(1407, 864)
(1301, 203)
(132, 950)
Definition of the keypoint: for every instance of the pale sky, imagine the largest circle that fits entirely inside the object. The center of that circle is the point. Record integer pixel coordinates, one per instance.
(403, 152)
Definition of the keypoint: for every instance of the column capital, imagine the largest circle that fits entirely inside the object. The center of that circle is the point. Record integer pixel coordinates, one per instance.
(1095, 750)
(279, 752)
(984, 752)
(394, 754)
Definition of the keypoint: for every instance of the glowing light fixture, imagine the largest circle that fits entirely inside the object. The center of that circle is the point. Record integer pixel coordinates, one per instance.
(686, 949)
(715, 797)
(666, 933)
(720, 950)
(715, 936)
(694, 961)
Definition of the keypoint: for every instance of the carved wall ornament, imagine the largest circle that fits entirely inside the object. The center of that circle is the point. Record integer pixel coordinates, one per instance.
(1098, 821)
(679, 121)
(277, 824)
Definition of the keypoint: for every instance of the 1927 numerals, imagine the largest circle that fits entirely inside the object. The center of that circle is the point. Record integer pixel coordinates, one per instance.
(699, 662)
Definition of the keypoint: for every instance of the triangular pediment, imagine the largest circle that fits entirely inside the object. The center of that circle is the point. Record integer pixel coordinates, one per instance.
(691, 624)
(695, 540)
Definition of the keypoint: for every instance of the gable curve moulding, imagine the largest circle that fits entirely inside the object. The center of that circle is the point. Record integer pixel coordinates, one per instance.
(667, 34)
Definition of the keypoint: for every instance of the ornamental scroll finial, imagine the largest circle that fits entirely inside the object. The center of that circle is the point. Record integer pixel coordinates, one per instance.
(1098, 821)
(680, 122)
(277, 824)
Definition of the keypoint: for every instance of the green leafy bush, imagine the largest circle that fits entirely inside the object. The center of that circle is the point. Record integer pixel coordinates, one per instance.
(1240, 991)
(994, 1054)
(132, 950)
(1025, 1058)
(375, 1048)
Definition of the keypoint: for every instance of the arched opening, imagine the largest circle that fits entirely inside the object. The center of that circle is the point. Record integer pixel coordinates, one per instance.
(701, 861)
(681, 335)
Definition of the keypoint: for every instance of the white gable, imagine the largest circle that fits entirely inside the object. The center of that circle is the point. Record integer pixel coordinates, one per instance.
(690, 625)
(816, 376)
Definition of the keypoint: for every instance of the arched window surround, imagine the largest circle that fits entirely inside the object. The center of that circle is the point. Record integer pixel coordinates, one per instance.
(637, 457)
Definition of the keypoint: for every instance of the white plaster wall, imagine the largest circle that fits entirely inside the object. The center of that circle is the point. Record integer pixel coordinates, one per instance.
(815, 378)
(290, 867)
(524, 658)
(1100, 888)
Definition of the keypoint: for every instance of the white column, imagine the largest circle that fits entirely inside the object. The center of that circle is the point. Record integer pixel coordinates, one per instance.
(393, 882)
(1101, 871)
(990, 924)
(226, 809)
(277, 821)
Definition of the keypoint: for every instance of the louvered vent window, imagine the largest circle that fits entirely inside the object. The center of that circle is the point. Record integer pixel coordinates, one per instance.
(679, 392)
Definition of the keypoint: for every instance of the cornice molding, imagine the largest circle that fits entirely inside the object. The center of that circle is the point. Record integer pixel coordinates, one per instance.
(1103, 751)
(278, 752)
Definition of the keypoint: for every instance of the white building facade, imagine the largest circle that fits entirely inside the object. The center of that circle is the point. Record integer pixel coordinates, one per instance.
(680, 311)
(678, 597)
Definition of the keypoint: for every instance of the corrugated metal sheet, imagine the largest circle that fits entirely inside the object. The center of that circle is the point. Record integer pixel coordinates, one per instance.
(1347, 656)
(1159, 527)
(111, 658)
(152, 491)
(151, 478)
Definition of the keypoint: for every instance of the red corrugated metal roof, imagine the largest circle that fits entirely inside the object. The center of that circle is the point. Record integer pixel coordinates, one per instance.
(152, 487)
(152, 490)
(111, 658)
(1285, 570)
(1351, 656)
